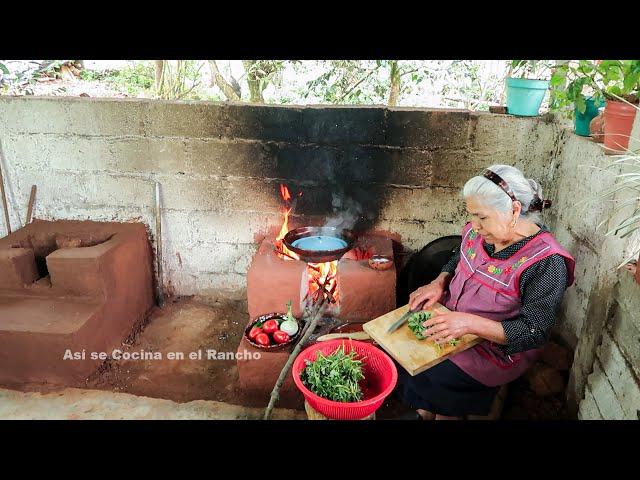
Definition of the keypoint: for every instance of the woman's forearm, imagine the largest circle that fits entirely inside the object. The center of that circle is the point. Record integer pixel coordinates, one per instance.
(487, 329)
(443, 279)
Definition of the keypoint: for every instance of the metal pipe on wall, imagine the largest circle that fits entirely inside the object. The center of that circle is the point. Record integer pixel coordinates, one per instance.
(4, 196)
(159, 246)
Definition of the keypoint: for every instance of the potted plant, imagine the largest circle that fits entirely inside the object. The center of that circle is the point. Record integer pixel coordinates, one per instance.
(525, 88)
(621, 88)
(629, 181)
(575, 93)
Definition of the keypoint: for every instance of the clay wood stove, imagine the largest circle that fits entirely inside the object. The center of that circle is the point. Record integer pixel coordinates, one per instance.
(69, 285)
(301, 265)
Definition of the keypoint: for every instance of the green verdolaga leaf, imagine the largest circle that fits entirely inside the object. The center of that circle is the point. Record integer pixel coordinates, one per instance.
(335, 376)
(415, 325)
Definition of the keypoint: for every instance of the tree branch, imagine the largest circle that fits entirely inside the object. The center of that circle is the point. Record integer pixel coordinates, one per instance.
(306, 333)
(255, 92)
(357, 83)
(222, 84)
(409, 71)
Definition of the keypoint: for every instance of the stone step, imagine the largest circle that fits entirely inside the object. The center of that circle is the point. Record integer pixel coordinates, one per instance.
(80, 404)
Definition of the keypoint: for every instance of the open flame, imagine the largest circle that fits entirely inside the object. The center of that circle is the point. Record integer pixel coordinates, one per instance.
(284, 191)
(319, 274)
(280, 246)
(323, 274)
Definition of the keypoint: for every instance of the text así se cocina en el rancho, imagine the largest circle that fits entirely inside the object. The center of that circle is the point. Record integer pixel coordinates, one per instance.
(117, 354)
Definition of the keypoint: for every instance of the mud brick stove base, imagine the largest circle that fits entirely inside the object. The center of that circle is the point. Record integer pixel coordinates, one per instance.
(69, 285)
(364, 294)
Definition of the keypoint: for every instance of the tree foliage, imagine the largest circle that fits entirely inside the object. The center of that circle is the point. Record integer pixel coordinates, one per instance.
(450, 83)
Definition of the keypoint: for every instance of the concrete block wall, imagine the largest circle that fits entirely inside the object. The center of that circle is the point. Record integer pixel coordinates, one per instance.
(220, 166)
(580, 219)
(612, 391)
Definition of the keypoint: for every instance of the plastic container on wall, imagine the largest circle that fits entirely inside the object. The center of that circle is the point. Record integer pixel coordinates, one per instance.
(582, 120)
(524, 96)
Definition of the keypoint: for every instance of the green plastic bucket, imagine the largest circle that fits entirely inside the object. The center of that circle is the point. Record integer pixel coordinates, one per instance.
(582, 120)
(524, 96)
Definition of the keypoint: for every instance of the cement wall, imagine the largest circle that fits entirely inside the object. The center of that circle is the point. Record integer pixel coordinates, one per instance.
(612, 391)
(220, 166)
(580, 221)
(605, 377)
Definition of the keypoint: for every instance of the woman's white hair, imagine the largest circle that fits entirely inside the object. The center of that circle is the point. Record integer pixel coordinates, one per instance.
(493, 196)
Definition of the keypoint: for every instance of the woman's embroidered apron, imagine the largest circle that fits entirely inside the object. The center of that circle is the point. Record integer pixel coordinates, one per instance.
(490, 288)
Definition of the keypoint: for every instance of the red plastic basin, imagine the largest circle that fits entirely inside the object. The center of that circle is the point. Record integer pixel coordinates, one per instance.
(380, 379)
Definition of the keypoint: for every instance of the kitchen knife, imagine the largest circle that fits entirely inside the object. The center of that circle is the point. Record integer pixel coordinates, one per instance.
(404, 318)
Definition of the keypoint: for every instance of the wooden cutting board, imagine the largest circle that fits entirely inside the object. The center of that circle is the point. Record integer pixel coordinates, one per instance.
(414, 355)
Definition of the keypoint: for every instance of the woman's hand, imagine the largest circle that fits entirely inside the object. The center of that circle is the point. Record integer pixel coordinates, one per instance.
(431, 292)
(446, 326)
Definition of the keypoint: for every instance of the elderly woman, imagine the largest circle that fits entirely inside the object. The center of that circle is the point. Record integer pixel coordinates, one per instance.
(504, 285)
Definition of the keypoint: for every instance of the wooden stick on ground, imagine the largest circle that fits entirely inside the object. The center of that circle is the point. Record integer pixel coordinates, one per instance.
(32, 199)
(308, 330)
(4, 197)
(159, 246)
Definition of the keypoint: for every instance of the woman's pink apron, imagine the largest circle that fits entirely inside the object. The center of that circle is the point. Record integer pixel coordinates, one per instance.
(490, 288)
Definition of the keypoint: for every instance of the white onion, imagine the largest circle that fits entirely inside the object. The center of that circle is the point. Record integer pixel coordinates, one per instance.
(290, 327)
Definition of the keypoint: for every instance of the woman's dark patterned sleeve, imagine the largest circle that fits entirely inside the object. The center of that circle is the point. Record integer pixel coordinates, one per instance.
(542, 286)
(451, 265)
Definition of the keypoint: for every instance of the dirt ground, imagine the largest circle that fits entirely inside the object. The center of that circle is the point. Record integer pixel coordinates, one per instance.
(523, 404)
(182, 326)
(185, 325)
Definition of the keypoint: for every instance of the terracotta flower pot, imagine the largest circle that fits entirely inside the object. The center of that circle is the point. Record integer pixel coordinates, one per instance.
(618, 121)
(596, 129)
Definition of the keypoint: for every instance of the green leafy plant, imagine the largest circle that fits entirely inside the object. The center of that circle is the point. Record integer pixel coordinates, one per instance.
(571, 84)
(93, 75)
(576, 80)
(335, 376)
(17, 77)
(132, 80)
(532, 69)
(620, 79)
(628, 181)
(177, 79)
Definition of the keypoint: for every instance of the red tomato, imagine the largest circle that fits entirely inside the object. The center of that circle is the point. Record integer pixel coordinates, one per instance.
(263, 339)
(254, 332)
(280, 337)
(270, 326)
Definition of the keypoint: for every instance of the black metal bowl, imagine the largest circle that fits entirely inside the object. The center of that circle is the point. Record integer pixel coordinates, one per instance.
(319, 256)
(275, 346)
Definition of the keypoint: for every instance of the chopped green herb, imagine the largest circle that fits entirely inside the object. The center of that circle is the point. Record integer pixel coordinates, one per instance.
(415, 325)
(335, 376)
